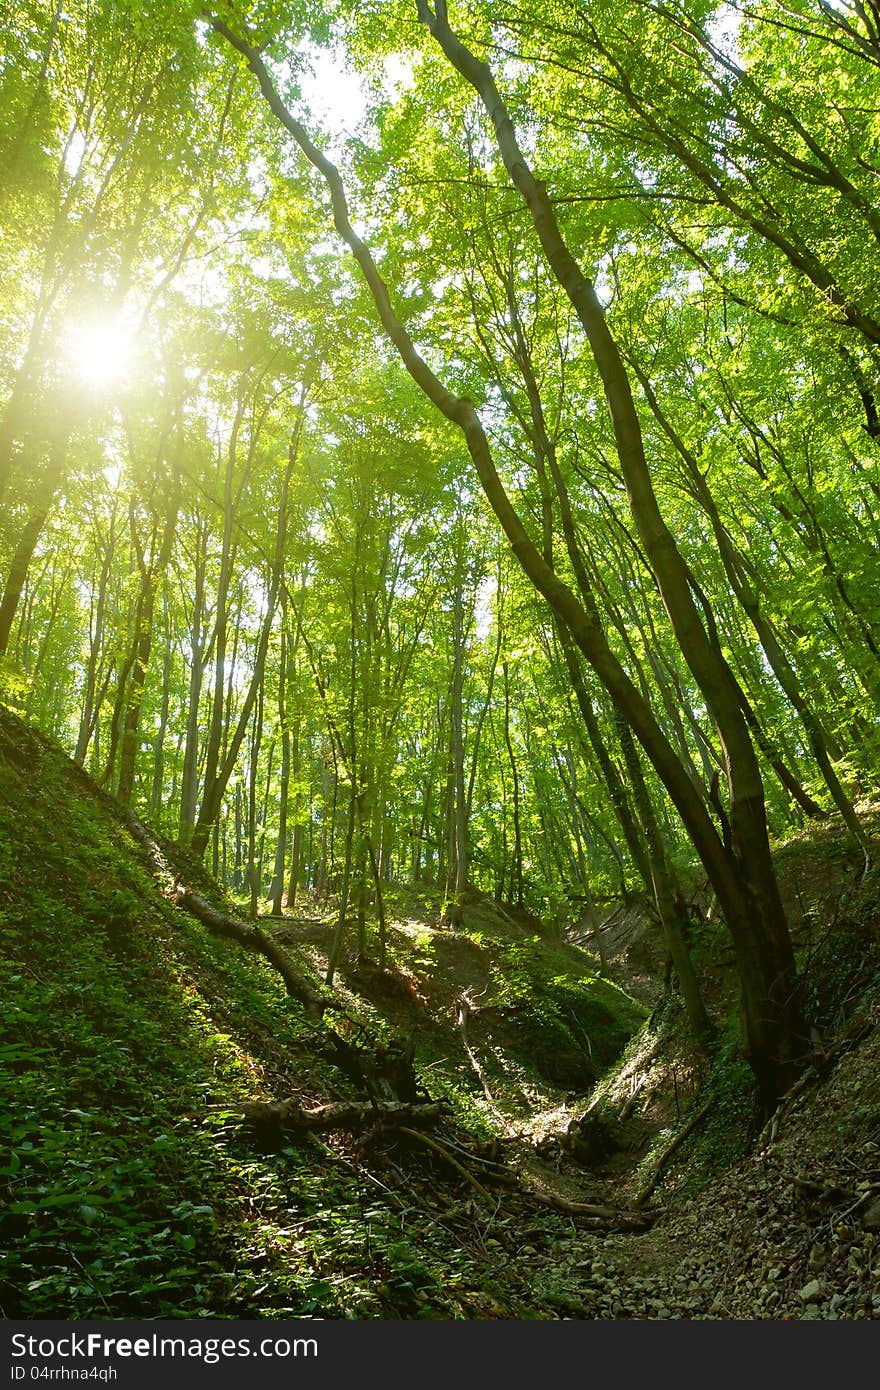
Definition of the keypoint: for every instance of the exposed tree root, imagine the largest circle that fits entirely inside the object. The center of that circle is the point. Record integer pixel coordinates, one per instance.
(857, 1030)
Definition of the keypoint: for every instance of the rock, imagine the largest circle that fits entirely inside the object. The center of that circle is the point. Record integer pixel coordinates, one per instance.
(815, 1289)
(871, 1216)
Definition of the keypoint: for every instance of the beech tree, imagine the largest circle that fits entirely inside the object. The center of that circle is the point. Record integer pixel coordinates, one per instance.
(489, 507)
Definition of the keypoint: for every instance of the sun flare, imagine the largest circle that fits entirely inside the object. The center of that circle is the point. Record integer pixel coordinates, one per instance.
(100, 351)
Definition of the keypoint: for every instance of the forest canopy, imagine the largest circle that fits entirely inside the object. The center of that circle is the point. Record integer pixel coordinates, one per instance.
(438, 445)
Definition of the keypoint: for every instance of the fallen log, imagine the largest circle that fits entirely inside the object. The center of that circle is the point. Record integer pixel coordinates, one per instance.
(353, 1115)
(617, 1217)
(252, 938)
(248, 935)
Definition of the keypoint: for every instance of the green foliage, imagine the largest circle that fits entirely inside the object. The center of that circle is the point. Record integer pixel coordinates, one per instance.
(252, 580)
(569, 1026)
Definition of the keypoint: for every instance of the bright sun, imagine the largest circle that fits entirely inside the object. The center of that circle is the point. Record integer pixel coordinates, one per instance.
(100, 351)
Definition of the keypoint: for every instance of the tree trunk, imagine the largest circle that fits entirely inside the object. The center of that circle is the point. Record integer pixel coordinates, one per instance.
(458, 864)
(745, 884)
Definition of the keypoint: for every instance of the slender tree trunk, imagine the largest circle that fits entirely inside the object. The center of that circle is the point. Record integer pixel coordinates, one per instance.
(237, 870)
(339, 929)
(189, 785)
(297, 838)
(151, 573)
(276, 893)
(736, 569)
(158, 781)
(91, 699)
(517, 870)
(458, 866)
(253, 770)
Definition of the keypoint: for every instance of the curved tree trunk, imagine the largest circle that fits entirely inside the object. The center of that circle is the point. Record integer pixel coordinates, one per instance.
(744, 883)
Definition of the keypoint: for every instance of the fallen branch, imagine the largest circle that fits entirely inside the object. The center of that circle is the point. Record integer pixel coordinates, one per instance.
(353, 1115)
(462, 1013)
(449, 1158)
(629, 1104)
(665, 1154)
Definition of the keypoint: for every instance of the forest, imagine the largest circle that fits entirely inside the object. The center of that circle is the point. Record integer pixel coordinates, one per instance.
(439, 680)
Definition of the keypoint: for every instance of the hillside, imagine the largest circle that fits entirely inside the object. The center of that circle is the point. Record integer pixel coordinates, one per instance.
(129, 1037)
(133, 1038)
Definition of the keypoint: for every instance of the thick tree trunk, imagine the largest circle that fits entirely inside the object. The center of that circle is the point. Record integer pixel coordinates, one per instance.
(745, 884)
(773, 1015)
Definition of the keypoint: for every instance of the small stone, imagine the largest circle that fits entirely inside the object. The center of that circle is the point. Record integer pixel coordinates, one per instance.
(817, 1257)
